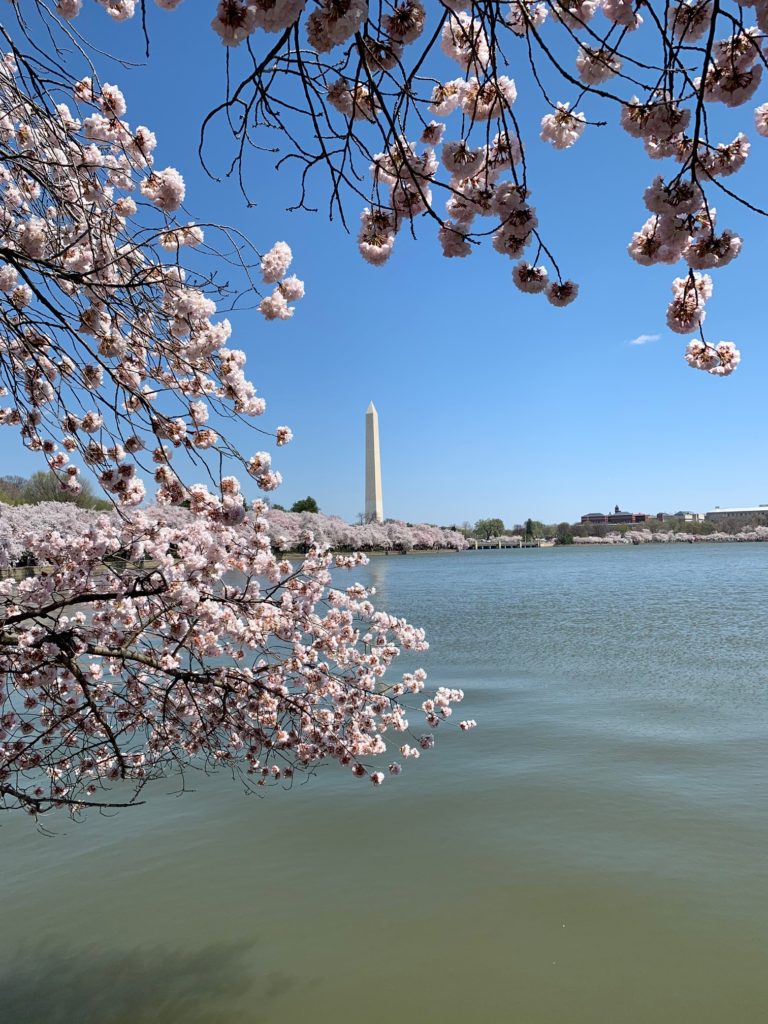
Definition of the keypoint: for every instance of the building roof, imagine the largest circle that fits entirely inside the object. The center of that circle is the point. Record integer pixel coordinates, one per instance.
(748, 508)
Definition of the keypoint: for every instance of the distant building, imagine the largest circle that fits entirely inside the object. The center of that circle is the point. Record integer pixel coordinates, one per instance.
(690, 517)
(735, 515)
(614, 518)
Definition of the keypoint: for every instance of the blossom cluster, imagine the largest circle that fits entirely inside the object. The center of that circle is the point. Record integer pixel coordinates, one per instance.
(174, 636)
(377, 67)
(205, 648)
(274, 270)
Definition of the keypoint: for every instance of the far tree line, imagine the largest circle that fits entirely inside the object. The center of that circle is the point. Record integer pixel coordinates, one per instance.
(42, 486)
(487, 529)
(307, 504)
(564, 532)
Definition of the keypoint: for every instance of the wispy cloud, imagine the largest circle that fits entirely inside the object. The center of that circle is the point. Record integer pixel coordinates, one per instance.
(643, 339)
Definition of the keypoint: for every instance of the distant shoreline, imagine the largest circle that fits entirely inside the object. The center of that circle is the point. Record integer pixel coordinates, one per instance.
(23, 572)
(380, 552)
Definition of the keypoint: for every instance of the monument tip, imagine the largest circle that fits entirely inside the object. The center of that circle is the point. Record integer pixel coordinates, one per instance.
(371, 408)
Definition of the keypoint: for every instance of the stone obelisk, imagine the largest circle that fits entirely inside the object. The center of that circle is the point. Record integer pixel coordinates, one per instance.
(374, 507)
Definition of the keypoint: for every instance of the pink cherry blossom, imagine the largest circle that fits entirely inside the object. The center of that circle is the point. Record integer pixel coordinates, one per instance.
(561, 293)
(563, 128)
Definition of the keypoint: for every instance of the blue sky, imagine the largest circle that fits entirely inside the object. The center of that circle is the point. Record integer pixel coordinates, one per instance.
(491, 402)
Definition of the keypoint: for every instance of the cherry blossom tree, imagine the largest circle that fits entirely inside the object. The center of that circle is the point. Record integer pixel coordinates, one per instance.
(410, 109)
(114, 678)
(200, 646)
(217, 650)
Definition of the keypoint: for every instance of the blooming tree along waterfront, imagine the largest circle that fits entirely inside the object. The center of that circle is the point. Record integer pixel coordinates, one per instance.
(219, 651)
(287, 531)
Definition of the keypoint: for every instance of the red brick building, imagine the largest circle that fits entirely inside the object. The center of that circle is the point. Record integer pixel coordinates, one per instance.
(615, 517)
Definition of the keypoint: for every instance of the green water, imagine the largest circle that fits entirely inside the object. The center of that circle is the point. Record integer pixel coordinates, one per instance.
(596, 852)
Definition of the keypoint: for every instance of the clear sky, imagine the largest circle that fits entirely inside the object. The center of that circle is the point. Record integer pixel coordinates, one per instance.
(491, 402)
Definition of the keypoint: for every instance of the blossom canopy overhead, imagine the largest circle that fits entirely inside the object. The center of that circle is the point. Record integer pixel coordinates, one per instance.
(412, 108)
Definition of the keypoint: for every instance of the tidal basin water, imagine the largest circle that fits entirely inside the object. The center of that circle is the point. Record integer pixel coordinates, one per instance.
(596, 852)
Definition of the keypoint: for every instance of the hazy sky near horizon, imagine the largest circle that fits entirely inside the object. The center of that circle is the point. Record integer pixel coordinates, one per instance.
(491, 402)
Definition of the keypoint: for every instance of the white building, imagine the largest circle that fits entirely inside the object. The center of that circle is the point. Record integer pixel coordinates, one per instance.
(731, 515)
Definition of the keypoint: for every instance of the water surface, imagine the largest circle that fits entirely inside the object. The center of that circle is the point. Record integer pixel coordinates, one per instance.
(594, 853)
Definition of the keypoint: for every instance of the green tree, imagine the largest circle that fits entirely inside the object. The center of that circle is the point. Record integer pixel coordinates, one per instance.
(487, 528)
(12, 489)
(307, 504)
(42, 486)
(534, 529)
(564, 533)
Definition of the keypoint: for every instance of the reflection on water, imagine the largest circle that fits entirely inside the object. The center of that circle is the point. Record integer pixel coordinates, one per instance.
(595, 853)
(153, 985)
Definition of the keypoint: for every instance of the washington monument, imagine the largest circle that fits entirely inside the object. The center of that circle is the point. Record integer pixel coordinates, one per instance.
(374, 507)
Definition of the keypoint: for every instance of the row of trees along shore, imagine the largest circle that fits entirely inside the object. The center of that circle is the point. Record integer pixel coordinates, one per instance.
(115, 354)
(287, 531)
(671, 528)
(642, 536)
